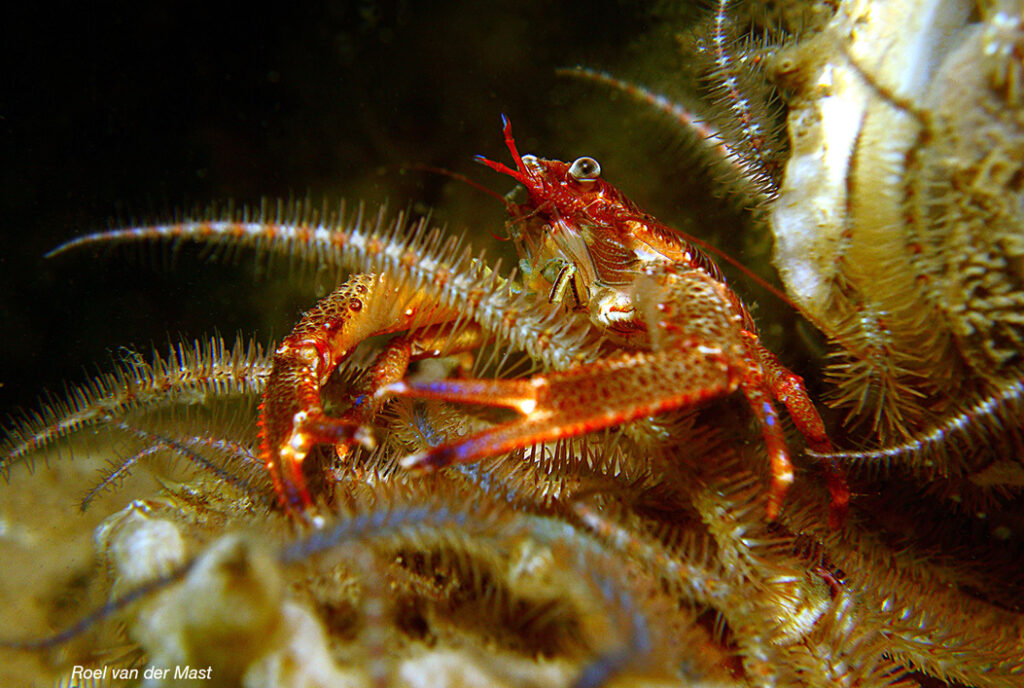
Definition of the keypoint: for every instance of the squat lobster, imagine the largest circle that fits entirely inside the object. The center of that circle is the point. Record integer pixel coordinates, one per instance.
(682, 337)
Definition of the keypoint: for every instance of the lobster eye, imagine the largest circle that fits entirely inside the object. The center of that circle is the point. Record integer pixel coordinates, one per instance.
(585, 170)
(532, 163)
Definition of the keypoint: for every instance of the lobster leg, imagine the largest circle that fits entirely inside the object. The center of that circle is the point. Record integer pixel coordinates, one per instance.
(774, 442)
(621, 389)
(576, 401)
(292, 420)
(789, 389)
(392, 364)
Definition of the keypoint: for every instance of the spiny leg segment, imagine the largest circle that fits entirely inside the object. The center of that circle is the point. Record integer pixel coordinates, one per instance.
(292, 419)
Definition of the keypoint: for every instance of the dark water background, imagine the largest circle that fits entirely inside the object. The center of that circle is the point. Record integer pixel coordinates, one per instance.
(111, 113)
